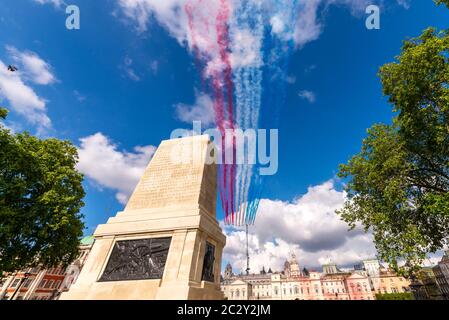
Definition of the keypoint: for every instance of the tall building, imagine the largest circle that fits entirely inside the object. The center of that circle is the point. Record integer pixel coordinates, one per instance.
(424, 285)
(335, 285)
(33, 284)
(228, 272)
(237, 290)
(372, 267)
(387, 281)
(441, 281)
(359, 287)
(73, 270)
(294, 284)
(295, 270)
(43, 284)
(330, 268)
(444, 265)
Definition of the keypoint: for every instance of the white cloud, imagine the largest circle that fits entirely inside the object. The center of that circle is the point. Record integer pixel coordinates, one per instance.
(154, 67)
(168, 12)
(308, 95)
(172, 15)
(404, 3)
(22, 98)
(291, 79)
(308, 28)
(79, 96)
(202, 110)
(127, 68)
(307, 226)
(33, 67)
(102, 162)
(246, 49)
(56, 3)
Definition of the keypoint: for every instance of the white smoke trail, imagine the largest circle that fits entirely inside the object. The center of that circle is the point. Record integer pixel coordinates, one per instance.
(247, 29)
(247, 35)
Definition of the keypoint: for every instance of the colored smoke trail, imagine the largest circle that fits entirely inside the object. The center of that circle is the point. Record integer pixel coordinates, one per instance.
(247, 29)
(240, 46)
(211, 46)
(249, 25)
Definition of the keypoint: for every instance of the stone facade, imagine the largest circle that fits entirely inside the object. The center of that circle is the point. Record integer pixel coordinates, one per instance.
(296, 284)
(176, 199)
(44, 284)
(424, 285)
(444, 265)
(441, 281)
(388, 282)
(238, 290)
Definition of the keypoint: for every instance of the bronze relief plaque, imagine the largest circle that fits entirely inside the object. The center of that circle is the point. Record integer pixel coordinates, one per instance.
(139, 259)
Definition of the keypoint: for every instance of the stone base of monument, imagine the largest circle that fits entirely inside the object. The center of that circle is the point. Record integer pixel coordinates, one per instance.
(167, 243)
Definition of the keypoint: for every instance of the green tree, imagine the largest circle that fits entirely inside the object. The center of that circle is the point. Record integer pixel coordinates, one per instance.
(3, 113)
(395, 296)
(446, 2)
(40, 198)
(398, 185)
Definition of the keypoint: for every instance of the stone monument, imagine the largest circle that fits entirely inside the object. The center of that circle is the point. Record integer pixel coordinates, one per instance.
(167, 243)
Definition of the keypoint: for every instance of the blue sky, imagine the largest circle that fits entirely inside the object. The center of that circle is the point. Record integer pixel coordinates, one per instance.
(114, 89)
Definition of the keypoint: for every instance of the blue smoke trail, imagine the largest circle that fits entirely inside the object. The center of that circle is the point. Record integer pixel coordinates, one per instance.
(247, 32)
(253, 79)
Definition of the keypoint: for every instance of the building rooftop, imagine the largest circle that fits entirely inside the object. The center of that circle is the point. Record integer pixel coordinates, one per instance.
(87, 241)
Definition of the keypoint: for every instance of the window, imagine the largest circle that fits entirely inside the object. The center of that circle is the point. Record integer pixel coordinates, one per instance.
(43, 283)
(27, 283)
(15, 283)
(49, 284)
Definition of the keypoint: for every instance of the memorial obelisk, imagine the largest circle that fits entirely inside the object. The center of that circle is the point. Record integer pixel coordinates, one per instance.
(167, 243)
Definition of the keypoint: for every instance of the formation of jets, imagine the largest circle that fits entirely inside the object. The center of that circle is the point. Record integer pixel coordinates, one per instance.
(12, 68)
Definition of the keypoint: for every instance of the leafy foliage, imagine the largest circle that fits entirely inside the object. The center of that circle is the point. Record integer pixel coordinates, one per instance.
(3, 113)
(395, 296)
(399, 183)
(40, 198)
(446, 2)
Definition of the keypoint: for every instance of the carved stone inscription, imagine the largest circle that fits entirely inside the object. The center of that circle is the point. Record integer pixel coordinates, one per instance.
(137, 260)
(208, 265)
(165, 183)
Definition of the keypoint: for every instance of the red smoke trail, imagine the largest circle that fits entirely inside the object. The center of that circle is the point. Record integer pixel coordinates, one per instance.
(192, 9)
(198, 14)
(223, 45)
